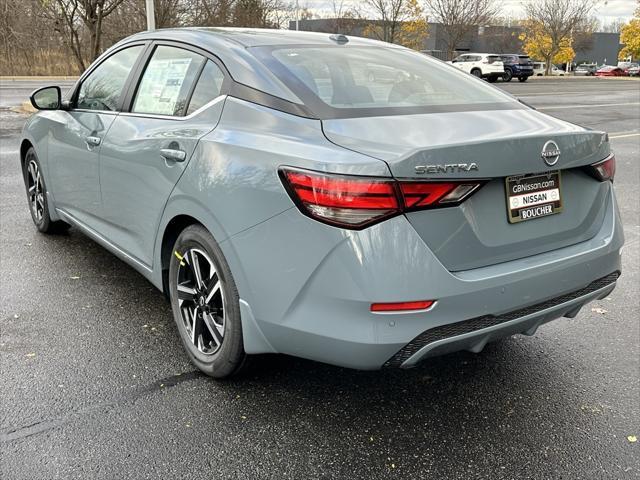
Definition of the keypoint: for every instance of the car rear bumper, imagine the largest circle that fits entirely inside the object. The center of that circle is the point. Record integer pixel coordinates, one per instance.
(475, 333)
(307, 290)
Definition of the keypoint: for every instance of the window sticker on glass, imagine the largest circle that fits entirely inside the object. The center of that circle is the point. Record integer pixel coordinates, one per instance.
(160, 88)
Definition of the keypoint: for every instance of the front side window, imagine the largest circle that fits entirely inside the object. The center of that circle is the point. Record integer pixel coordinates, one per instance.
(101, 90)
(167, 81)
(381, 80)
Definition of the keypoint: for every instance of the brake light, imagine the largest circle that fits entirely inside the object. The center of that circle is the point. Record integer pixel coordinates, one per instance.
(402, 306)
(418, 195)
(357, 202)
(605, 169)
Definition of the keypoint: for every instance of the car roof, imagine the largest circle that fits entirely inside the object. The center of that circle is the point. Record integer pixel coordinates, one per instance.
(253, 37)
(232, 46)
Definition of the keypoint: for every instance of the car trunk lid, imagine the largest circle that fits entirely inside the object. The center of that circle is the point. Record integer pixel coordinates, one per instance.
(488, 146)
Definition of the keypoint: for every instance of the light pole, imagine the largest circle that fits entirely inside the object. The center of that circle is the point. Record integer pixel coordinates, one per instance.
(297, 16)
(151, 17)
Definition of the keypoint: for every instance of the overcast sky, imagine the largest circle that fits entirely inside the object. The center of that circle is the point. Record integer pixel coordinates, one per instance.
(607, 11)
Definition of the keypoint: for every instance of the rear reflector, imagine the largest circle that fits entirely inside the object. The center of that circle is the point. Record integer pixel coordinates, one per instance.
(358, 202)
(402, 306)
(605, 169)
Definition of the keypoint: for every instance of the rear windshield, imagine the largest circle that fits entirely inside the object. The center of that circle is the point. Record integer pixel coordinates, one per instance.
(339, 82)
(493, 58)
(524, 58)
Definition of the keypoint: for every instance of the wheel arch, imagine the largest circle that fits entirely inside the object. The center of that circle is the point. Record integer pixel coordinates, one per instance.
(25, 145)
(253, 338)
(171, 232)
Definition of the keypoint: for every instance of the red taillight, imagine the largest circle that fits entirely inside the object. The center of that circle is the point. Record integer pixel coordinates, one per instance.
(357, 202)
(418, 195)
(352, 202)
(402, 306)
(605, 169)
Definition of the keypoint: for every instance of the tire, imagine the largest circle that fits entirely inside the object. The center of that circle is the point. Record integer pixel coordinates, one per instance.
(37, 196)
(523, 79)
(476, 73)
(207, 317)
(507, 76)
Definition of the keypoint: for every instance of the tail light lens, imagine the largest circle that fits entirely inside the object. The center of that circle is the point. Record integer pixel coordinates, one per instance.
(358, 202)
(604, 170)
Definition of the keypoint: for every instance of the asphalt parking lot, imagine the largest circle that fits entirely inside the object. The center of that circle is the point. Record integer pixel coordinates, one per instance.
(94, 382)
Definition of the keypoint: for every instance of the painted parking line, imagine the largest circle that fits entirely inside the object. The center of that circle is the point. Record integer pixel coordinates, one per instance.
(627, 135)
(574, 92)
(562, 107)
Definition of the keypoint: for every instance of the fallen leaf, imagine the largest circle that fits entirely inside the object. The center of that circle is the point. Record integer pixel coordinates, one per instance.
(16, 316)
(74, 278)
(632, 438)
(599, 310)
(30, 355)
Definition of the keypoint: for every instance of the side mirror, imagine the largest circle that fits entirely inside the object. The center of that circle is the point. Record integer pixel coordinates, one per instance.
(455, 60)
(47, 98)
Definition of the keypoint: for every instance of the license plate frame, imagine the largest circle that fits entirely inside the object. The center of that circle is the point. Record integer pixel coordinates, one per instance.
(534, 195)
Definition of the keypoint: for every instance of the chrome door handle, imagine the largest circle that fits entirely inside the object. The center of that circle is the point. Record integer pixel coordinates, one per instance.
(173, 155)
(93, 141)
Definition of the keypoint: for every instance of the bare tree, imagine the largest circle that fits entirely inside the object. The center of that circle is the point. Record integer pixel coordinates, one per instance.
(72, 16)
(614, 26)
(345, 18)
(561, 21)
(459, 18)
(392, 16)
(389, 15)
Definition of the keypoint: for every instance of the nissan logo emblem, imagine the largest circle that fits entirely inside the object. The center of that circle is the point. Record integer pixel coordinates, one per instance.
(550, 153)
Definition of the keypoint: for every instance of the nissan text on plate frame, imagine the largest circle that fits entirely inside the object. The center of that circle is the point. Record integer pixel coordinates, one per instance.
(338, 199)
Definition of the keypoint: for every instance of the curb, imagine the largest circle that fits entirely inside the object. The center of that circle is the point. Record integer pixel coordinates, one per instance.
(569, 78)
(10, 78)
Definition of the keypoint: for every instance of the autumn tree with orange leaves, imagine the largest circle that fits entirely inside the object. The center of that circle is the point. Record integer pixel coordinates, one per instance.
(630, 37)
(551, 26)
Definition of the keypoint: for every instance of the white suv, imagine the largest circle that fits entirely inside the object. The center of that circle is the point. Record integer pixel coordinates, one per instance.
(482, 65)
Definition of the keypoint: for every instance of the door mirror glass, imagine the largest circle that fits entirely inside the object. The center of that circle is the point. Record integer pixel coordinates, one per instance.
(47, 98)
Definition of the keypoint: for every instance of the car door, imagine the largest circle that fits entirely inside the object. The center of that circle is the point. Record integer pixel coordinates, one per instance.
(177, 100)
(75, 138)
(474, 61)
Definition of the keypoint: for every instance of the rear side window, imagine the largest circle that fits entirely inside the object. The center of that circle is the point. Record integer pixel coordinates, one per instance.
(167, 81)
(101, 90)
(208, 87)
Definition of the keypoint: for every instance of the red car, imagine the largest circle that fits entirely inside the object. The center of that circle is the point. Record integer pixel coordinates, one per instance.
(611, 72)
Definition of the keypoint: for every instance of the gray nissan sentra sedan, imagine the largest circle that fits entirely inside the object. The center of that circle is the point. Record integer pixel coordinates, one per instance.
(287, 200)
